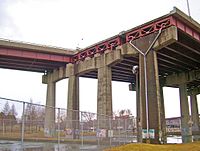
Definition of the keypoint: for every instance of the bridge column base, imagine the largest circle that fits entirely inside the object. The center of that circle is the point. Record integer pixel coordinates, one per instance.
(185, 118)
(49, 123)
(195, 117)
(153, 96)
(104, 95)
(162, 118)
(73, 105)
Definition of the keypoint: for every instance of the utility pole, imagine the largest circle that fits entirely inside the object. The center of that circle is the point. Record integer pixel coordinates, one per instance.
(188, 7)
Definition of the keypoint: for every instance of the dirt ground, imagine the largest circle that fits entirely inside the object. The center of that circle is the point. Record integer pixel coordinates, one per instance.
(195, 146)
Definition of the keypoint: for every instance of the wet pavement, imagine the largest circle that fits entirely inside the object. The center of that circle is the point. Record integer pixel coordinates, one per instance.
(29, 146)
(44, 146)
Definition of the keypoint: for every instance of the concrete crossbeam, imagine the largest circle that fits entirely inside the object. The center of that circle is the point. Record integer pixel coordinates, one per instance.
(176, 79)
(58, 74)
(167, 37)
(193, 91)
(91, 64)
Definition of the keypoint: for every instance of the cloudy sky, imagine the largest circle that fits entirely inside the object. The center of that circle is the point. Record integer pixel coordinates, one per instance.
(78, 23)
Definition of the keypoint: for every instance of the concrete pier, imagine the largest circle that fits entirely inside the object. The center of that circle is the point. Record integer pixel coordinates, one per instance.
(73, 103)
(195, 116)
(49, 124)
(153, 88)
(104, 96)
(162, 117)
(185, 117)
(138, 109)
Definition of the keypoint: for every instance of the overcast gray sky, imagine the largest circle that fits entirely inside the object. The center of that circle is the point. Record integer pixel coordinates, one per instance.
(78, 23)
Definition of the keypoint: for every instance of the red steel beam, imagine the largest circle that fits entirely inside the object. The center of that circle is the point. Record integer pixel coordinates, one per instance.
(34, 55)
(136, 33)
(109, 44)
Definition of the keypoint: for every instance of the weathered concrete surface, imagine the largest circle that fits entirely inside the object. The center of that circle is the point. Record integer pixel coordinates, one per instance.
(73, 101)
(104, 94)
(193, 91)
(139, 110)
(180, 78)
(91, 64)
(153, 86)
(195, 115)
(162, 117)
(57, 74)
(36, 47)
(185, 132)
(142, 97)
(49, 124)
(167, 37)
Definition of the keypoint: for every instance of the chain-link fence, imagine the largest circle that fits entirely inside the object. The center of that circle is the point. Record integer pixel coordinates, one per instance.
(24, 121)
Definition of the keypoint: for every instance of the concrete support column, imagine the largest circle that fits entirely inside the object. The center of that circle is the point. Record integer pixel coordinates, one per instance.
(195, 116)
(142, 101)
(49, 124)
(73, 105)
(185, 117)
(139, 110)
(153, 94)
(162, 117)
(104, 96)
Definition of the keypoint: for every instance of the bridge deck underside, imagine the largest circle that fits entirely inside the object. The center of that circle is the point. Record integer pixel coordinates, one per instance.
(180, 56)
(34, 65)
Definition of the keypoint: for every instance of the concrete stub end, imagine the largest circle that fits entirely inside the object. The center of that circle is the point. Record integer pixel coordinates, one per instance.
(167, 37)
(113, 57)
(127, 50)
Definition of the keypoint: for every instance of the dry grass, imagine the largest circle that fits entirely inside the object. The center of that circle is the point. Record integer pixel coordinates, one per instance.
(150, 147)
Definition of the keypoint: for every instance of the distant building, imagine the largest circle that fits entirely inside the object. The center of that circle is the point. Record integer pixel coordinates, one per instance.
(174, 122)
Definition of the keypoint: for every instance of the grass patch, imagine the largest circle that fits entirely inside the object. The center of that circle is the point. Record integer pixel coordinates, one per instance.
(195, 146)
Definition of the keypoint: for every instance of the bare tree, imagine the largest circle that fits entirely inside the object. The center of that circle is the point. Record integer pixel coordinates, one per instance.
(87, 116)
(13, 110)
(30, 114)
(6, 109)
(88, 119)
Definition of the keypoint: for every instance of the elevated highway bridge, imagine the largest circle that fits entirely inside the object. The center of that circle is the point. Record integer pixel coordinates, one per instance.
(173, 60)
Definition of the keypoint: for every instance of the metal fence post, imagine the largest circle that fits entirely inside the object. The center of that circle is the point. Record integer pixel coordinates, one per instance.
(58, 127)
(3, 127)
(126, 129)
(81, 130)
(110, 125)
(119, 131)
(97, 128)
(23, 118)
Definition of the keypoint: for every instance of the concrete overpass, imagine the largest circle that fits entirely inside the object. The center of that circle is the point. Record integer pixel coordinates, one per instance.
(172, 61)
